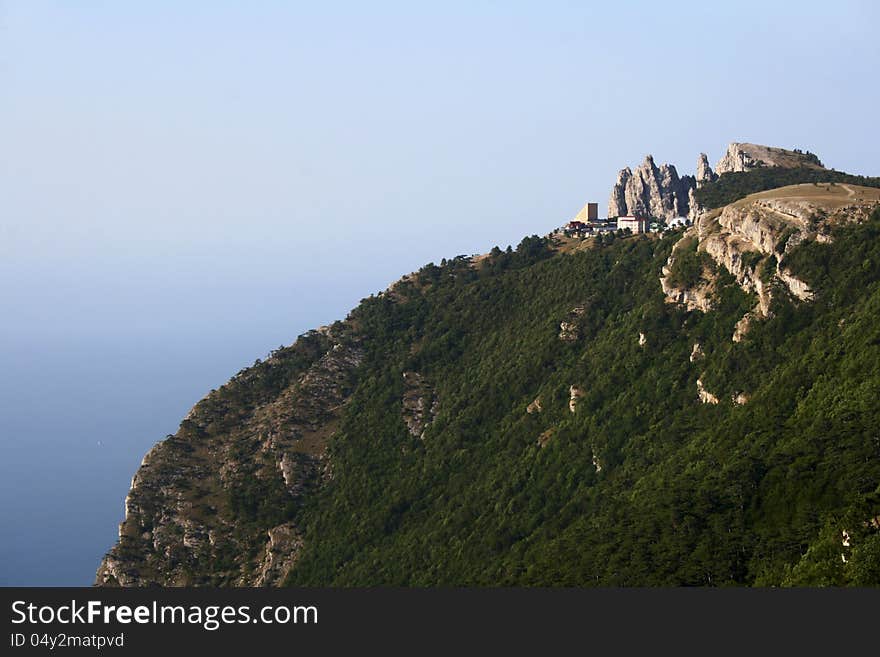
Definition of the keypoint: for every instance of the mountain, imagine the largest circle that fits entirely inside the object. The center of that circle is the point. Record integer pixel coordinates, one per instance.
(697, 407)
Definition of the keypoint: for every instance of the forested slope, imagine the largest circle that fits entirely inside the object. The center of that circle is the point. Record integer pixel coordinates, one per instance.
(642, 484)
(539, 416)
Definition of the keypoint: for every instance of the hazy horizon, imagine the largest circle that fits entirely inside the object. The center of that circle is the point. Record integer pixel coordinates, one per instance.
(187, 188)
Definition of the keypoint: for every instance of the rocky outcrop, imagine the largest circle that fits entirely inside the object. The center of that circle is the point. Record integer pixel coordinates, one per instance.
(651, 191)
(704, 176)
(696, 297)
(216, 503)
(535, 406)
(574, 394)
(420, 404)
(704, 395)
(752, 237)
(279, 556)
(745, 157)
(569, 332)
(704, 171)
(659, 192)
(694, 207)
(569, 328)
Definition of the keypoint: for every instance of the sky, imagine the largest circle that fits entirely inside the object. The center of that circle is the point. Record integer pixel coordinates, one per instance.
(186, 186)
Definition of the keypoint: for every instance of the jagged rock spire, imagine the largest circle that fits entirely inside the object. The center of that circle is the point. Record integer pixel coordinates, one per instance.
(650, 191)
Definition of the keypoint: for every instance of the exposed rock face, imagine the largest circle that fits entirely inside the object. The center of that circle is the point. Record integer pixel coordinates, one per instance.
(420, 404)
(280, 555)
(699, 297)
(745, 157)
(659, 192)
(569, 329)
(694, 207)
(704, 395)
(642, 339)
(568, 332)
(697, 352)
(190, 516)
(751, 238)
(704, 175)
(534, 407)
(704, 171)
(651, 191)
(574, 393)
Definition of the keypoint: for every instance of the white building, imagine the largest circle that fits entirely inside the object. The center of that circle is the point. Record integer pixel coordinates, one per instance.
(635, 224)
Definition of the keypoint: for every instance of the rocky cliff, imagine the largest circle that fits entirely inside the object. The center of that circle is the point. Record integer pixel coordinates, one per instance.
(650, 191)
(704, 171)
(659, 192)
(745, 157)
(216, 503)
(751, 238)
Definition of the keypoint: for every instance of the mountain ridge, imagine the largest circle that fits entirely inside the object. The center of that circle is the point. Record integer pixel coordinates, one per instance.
(550, 415)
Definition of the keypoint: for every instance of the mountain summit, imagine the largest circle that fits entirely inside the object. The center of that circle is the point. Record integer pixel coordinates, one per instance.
(659, 192)
(745, 157)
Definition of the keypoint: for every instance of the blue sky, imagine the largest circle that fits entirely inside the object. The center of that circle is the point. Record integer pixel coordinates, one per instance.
(193, 184)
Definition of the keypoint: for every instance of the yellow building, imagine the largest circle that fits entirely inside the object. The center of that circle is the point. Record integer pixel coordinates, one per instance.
(588, 213)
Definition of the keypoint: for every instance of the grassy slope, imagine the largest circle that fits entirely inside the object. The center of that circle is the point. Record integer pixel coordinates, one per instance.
(687, 494)
(731, 187)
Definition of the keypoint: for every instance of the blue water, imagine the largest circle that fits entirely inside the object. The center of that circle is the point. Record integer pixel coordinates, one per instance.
(77, 415)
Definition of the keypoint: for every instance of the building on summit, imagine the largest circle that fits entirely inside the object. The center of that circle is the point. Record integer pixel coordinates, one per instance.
(635, 224)
(587, 214)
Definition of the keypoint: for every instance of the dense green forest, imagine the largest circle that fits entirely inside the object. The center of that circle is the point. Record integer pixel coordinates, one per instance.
(642, 484)
(733, 186)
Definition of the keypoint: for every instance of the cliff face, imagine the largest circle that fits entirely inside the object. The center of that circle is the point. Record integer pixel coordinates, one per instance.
(751, 238)
(704, 171)
(745, 157)
(217, 503)
(659, 192)
(704, 176)
(650, 191)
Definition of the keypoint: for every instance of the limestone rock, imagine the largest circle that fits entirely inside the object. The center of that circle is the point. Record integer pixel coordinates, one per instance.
(180, 527)
(704, 171)
(704, 395)
(700, 297)
(745, 157)
(575, 393)
(534, 407)
(420, 404)
(696, 352)
(568, 332)
(752, 237)
(651, 191)
(694, 207)
(569, 329)
(279, 556)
